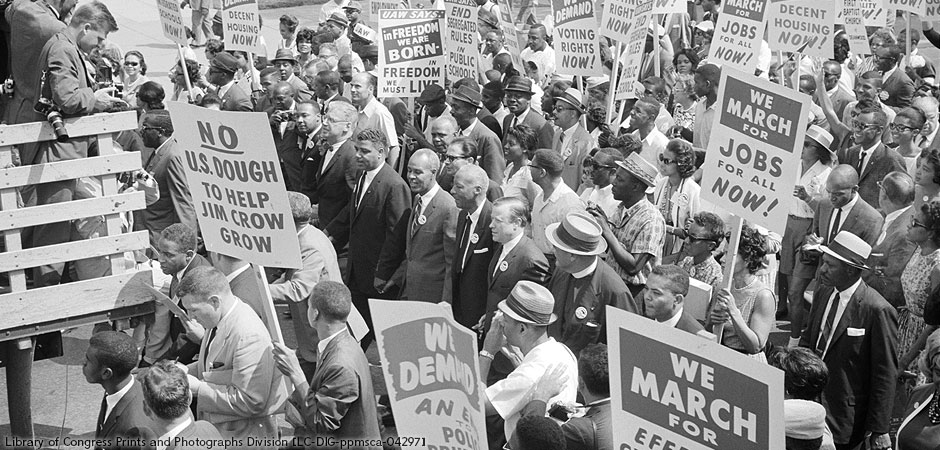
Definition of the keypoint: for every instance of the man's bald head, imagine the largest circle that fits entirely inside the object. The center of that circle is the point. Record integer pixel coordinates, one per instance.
(427, 159)
(363, 77)
(843, 176)
(474, 176)
(282, 88)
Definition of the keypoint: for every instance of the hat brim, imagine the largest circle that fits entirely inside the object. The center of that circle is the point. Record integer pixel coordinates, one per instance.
(509, 312)
(650, 187)
(290, 60)
(509, 89)
(551, 234)
(579, 107)
(835, 255)
(467, 101)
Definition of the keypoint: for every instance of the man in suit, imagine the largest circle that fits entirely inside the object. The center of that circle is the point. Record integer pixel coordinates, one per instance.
(464, 105)
(474, 244)
(892, 250)
(518, 99)
(168, 337)
(666, 288)
(897, 85)
(854, 330)
(334, 173)
(285, 62)
(483, 115)
(869, 156)
(460, 152)
(165, 165)
(338, 402)
(571, 141)
(281, 117)
(370, 225)
(293, 286)
(166, 400)
(109, 359)
(235, 384)
(832, 72)
(430, 234)
(222, 70)
(326, 88)
(845, 211)
(70, 86)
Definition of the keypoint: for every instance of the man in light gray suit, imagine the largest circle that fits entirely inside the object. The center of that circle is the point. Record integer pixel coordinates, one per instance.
(892, 250)
(165, 164)
(571, 140)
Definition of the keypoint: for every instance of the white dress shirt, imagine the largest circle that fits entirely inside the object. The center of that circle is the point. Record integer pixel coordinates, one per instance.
(844, 298)
(113, 399)
(507, 247)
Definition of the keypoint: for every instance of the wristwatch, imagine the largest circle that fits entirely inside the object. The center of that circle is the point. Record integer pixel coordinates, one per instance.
(486, 354)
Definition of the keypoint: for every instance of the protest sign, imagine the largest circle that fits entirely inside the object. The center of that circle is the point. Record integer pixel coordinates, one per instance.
(677, 390)
(431, 371)
(754, 151)
(795, 23)
(874, 13)
(670, 7)
(577, 50)
(411, 51)
(463, 41)
(931, 11)
(426, 4)
(912, 6)
(241, 25)
(855, 27)
(618, 18)
(171, 20)
(238, 190)
(738, 34)
(511, 34)
(371, 14)
(632, 58)
(363, 31)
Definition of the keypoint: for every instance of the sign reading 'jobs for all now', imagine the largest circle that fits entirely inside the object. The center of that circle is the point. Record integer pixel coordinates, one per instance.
(738, 34)
(411, 51)
(238, 189)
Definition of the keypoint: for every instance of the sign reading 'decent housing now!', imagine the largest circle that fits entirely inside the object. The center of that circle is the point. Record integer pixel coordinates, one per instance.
(238, 190)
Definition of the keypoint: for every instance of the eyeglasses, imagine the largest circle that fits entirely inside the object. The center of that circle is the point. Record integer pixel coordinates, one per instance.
(452, 158)
(142, 129)
(328, 120)
(667, 161)
(915, 224)
(896, 127)
(861, 126)
(693, 239)
(534, 166)
(131, 63)
(560, 108)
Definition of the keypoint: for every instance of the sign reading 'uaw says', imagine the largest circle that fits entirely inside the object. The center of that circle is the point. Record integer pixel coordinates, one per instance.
(430, 366)
(676, 390)
(754, 149)
(238, 190)
(411, 51)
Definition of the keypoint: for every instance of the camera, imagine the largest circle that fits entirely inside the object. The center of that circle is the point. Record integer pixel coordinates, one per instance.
(128, 178)
(48, 109)
(7, 87)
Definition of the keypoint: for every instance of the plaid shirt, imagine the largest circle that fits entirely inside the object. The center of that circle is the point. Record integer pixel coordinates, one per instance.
(640, 229)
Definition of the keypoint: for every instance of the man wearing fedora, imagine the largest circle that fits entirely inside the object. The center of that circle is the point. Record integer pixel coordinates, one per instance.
(854, 330)
(572, 141)
(285, 62)
(336, 26)
(583, 286)
(433, 106)
(635, 235)
(519, 93)
(222, 70)
(474, 244)
(556, 200)
(522, 322)
(465, 103)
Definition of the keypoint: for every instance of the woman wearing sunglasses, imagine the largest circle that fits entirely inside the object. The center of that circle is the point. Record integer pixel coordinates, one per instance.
(135, 71)
(676, 194)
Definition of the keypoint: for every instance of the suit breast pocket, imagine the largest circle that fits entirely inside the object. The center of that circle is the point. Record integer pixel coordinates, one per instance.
(480, 251)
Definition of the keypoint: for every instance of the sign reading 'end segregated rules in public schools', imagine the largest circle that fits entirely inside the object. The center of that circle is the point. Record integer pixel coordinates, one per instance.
(679, 391)
(240, 25)
(577, 49)
(238, 190)
(753, 154)
(738, 34)
(171, 19)
(411, 51)
(430, 366)
(806, 24)
(462, 39)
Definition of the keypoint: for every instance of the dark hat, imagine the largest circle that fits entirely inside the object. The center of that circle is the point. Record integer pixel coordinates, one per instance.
(158, 118)
(432, 93)
(339, 19)
(284, 54)
(354, 6)
(369, 51)
(572, 97)
(488, 18)
(519, 84)
(469, 95)
(225, 62)
(529, 302)
(494, 87)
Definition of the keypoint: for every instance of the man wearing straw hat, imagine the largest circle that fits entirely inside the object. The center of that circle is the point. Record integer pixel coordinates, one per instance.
(582, 285)
(571, 141)
(522, 322)
(637, 232)
(854, 330)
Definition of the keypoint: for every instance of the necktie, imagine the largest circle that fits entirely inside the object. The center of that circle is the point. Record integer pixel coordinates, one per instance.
(861, 162)
(174, 283)
(834, 228)
(515, 121)
(465, 241)
(359, 185)
(561, 137)
(101, 416)
(415, 223)
(205, 359)
(827, 326)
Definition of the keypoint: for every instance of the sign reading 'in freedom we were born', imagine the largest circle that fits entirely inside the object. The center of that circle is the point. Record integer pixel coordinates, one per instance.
(411, 51)
(237, 186)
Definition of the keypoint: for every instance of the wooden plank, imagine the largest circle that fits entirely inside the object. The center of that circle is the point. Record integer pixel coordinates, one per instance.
(72, 251)
(12, 239)
(77, 321)
(60, 212)
(76, 127)
(60, 302)
(114, 223)
(69, 170)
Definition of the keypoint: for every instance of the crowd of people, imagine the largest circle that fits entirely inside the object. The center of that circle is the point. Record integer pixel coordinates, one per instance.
(520, 198)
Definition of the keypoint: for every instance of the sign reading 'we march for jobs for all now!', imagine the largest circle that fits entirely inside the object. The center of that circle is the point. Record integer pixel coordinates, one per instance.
(238, 189)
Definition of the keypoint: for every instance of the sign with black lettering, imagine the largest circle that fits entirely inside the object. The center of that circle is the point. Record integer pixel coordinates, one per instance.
(738, 34)
(171, 20)
(411, 51)
(806, 24)
(241, 25)
(462, 39)
(237, 186)
(577, 49)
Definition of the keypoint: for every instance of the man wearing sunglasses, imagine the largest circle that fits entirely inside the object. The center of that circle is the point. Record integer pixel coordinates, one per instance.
(603, 166)
(871, 159)
(832, 72)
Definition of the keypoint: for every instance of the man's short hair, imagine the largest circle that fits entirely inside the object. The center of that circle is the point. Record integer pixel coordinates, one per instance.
(97, 14)
(329, 46)
(805, 375)
(329, 78)
(343, 112)
(467, 145)
(650, 106)
(677, 276)
(447, 119)
(332, 299)
(550, 161)
(539, 433)
(476, 175)
(374, 136)
(203, 282)
(116, 351)
(899, 187)
(518, 208)
(181, 235)
(710, 72)
(434, 161)
(269, 71)
(593, 369)
(159, 118)
(300, 207)
(166, 390)
(881, 119)
(320, 65)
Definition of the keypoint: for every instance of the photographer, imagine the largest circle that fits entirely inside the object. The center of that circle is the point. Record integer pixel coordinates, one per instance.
(281, 117)
(66, 87)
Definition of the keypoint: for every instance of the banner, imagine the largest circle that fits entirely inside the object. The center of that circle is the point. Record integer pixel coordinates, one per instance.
(172, 21)
(753, 153)
(577, 50)
(632, 58)
(241, 25)
(873, 12)
(738, 34)
(431, 370)
(855, 28)
(618, 18)
(931, 11)
(670, 7)
(795, 23)
(238, 190)
(463, 41)
(511, 34)
(677, 390)
(411, 51)
(912, 6)
(370, 15)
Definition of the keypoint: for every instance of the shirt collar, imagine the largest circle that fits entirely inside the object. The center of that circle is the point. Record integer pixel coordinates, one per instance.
(336, 146)
(570, 130)
(475, 215)
(176, 430)
(846, 295)
(507, 247)
(848, 206)
(469, 129)
(157, 150)
(370, 107)
(225, 87)
(113, 399)
(562, 188)
(321, 346)
(179, 275)
(871, 149)
(893, 216)
(888, 74)
(587, 270)
(674, 320)
(521, 117)
(235, 273)
(429, 195)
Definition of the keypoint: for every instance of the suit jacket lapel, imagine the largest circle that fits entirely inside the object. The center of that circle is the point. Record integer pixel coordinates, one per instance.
(369, 190)
(876, 155)
(848, 316)
(509, 258)
(815, 323)
(119, 408)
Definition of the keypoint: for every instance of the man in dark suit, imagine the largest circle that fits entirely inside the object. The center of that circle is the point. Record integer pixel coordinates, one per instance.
(518, 97)
(464, 106)
(109, 359)
(845, 211)
(854, 330)
(165, 164)
(370, 225)
(897, 84)
(166, 400)
(281, 117)
(460, 152)
(339, 401)
(326, 87)
(483, 115)
(222, 70)
(870, 157)
(474, 244)
(892, 250)
(334, 174)
(284, 61)
(666, 289)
